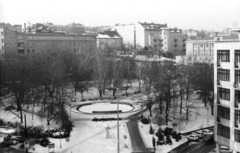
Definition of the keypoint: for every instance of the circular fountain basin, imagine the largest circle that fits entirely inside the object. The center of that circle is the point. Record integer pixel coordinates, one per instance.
(105, 108)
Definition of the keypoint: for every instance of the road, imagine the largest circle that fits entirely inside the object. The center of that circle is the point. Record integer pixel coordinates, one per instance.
(136, 139)
(198, 147)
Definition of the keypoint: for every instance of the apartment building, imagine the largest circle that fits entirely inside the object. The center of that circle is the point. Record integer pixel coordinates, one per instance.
(109, 40)
(174, 41)
(16, 43)
(227, 94)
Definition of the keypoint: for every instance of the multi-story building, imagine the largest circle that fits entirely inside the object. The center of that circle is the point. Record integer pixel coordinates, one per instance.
(109, 40)
(154, 37)
(174, 41)
(34, 43)
(227, 94)
(142, 35)
(201, 50)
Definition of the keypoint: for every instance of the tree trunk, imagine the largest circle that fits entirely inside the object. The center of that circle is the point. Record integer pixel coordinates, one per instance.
(212, 109)
(82, 95)
(187, 114)
(139, 86)
(166, 112)
(181, 96)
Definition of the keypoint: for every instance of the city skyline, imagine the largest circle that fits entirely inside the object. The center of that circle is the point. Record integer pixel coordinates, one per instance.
(185, 14)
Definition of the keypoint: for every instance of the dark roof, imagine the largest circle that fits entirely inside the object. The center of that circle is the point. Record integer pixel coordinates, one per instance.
(110, 33)
(154, 25)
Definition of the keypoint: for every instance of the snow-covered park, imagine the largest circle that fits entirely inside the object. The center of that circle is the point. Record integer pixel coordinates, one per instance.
(90, 137)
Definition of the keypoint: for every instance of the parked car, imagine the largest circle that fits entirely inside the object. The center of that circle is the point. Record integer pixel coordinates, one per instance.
(200, 133)
(224, 149)
(208, 138)
(193, 137)
(207, 132)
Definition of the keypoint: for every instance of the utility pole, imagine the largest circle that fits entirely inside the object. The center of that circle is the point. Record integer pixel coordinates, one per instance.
(118, 122)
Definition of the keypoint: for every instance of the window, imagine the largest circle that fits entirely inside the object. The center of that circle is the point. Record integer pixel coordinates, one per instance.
(28, 50)
(20, 44)
(2, 41)
(223, 74)
(201, 45)
(33, 50)
(206, 45)
(223, 131)
(237, 96)
(21, 51)
(237, 135)
(237, 116)
(223, 112)
(237, 55)
(224, 93)
(223, 55)
(237, 76)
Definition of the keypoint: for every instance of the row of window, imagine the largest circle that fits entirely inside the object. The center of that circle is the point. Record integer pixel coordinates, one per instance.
(203, 52)
(223, 131)
(224, 55)
(224, 75)
(21, 44)
(203, 44)
(224, 94)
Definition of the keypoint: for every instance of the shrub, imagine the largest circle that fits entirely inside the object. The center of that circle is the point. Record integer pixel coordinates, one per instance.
(169, 140)
(168, 131)
(151, 131)
(105, 119)
(145, 120)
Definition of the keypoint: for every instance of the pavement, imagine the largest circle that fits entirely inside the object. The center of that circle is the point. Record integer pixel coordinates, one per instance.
(138, 145)
(199, 147)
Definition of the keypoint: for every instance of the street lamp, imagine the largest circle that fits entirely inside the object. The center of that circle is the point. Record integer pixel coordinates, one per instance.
(118, 150)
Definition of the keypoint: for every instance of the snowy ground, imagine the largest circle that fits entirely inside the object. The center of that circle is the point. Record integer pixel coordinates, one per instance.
(90, 137)
(199, 117)
(86, 136)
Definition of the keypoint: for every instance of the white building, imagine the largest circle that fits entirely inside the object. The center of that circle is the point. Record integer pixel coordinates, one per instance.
(227, 94)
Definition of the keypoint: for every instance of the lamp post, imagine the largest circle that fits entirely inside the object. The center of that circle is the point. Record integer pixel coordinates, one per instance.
(118, 143)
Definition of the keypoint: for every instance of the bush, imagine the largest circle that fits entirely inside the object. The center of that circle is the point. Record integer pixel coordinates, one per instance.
(105, 119)
(151, 131)
(145, 120)
(168, 131)
(169, 140)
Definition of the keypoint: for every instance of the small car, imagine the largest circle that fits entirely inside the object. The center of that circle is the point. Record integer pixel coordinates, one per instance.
(207, 132)
(193, 137)
(200, 133)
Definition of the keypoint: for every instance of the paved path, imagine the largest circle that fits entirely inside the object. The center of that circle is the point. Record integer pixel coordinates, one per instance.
(136, 139)
(198, 147)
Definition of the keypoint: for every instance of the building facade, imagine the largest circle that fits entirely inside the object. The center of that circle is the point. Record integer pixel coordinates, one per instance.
(142, 35)
(16, 43)
(227, 94)
(109, 40)
(174, 41)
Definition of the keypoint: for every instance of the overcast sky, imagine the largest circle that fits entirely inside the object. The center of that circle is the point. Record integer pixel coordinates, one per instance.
(196, 14)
